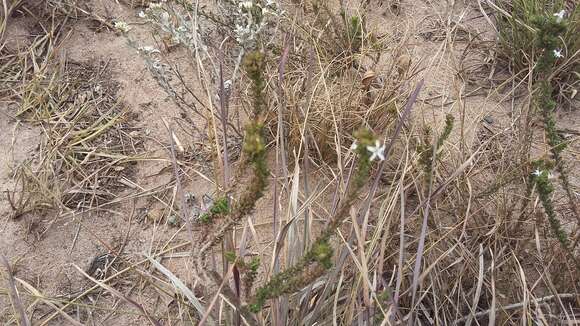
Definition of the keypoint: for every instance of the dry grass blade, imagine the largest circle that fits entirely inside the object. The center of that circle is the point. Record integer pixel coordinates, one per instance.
(179, 188)
(181, 287)
(518, 305)
(6, 13)
(477, 294)
(14, 297)
(206, 316)
(421, 246)
(401, 250)
(48, 319)
(39, 295)
(400, 123)
(281, 169)
(121, 296)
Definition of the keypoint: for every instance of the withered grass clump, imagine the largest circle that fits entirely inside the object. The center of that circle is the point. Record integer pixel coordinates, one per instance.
(87, 138)
(334, 89)
(88, 142)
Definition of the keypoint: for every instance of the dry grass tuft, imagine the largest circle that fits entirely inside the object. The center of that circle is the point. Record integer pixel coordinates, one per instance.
(88, 145)
(88, 142)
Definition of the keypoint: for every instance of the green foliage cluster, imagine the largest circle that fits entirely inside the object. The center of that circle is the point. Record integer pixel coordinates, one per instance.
(545, 188)
(297, 276)
(220, 207)
(547, 106)
(548, 39)
(426, 150)
(254, 148)
(254, 65)
(254, 145)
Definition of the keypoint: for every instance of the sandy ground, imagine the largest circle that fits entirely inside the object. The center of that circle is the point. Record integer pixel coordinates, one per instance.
(47, 261)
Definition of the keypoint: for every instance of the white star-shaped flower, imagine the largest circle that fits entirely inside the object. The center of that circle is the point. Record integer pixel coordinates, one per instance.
(141, 14)
(537, 173)
(558, 53)
(560, 15)
(377, 151)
